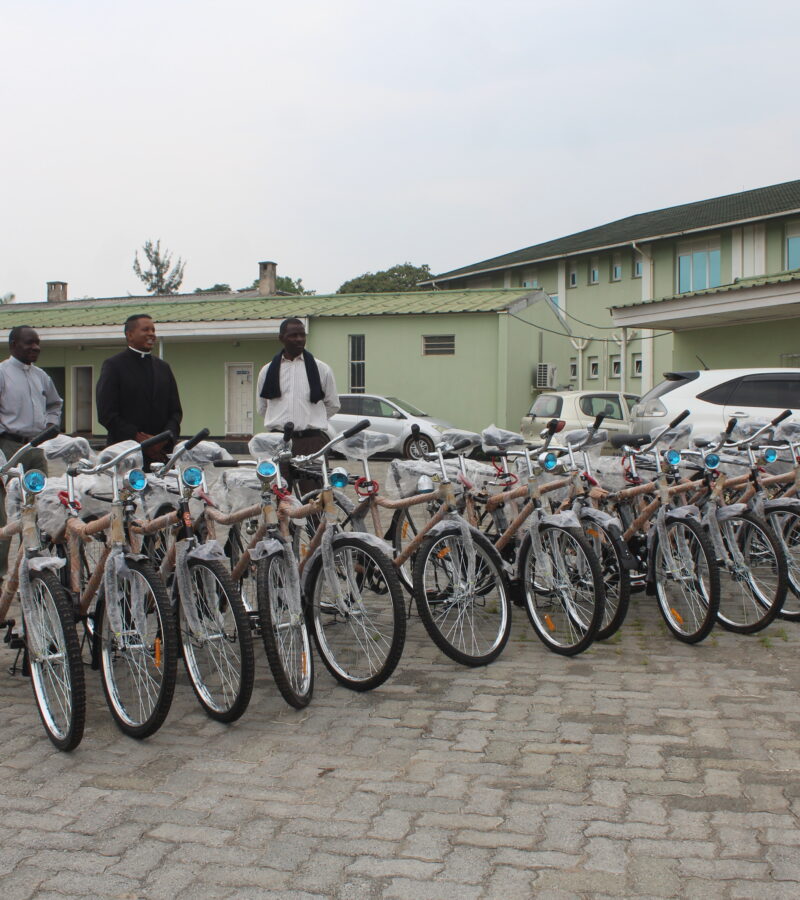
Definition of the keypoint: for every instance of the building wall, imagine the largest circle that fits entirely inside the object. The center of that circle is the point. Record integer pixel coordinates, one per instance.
(755, 345)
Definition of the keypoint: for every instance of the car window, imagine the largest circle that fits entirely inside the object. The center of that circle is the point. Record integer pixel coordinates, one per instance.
(547, 406)
(672, 380)
(592, 404)
(350, 406)
(631, 400)
(386, 409)
(719, 394)
(773, 391)
(374, 406)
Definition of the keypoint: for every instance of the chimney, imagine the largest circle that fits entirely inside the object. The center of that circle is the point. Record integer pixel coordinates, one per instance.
(266, 278)
(56, 291)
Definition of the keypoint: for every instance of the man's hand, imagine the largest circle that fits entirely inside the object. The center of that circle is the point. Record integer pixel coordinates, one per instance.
(156, 452)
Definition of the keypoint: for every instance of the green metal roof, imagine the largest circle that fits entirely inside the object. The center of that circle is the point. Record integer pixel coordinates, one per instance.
(766, 201)
(219, 308)
(738, 285)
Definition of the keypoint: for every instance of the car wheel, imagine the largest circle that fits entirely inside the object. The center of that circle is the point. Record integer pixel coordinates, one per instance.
(416, 446)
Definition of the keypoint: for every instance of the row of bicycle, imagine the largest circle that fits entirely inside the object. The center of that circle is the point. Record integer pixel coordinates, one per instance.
(206, 552)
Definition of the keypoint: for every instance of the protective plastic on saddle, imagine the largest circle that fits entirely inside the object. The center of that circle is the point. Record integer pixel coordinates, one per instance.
(403, 475)
(365, 444)
(463, 440)
(265, 444)
(579, 437)
(788, 430)
(134, 461)
(746, 428)
(623, 439)
(203, 453)
(494, 438)
(677, 437)
(69, 449)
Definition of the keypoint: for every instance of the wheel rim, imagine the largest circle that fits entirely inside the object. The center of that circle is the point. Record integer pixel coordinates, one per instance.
(472, 619)
(684, 600)
(749, 591)
(48, 659)
(417, 447)
(289, 632)
(212, 655)
(787, 526)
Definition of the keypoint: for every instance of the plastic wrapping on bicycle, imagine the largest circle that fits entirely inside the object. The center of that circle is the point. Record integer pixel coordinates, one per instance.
(620, 439)
(312, 472)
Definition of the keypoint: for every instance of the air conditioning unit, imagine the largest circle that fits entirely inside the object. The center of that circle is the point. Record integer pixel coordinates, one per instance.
(545, 375)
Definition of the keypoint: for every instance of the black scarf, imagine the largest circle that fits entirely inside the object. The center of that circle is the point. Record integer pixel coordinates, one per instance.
(272, 382)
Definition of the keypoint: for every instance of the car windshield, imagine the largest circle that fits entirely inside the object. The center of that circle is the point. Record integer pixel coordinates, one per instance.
(407, 407)
(673, 380)
(547, 405)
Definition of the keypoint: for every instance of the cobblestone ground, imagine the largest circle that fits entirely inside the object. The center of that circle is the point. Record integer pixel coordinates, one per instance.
(644, 768)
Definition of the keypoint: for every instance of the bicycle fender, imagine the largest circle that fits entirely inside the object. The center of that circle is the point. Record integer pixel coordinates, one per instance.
(566, 519)
(792, 502)
(137, 557)
(690, 511)
(730, 512)
(209, 550)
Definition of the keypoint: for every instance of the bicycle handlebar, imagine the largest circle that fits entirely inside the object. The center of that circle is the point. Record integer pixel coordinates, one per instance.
(193, 442)
(156, 439)
(678, 419)
(354, 429)
(50, 432)
(784, 415)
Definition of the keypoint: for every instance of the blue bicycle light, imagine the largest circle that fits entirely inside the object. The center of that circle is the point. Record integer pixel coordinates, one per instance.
(266, 469)
(712, 460)
(549, 462)
(339, 477)
(34, 481)
(137, 480)
(770, 455)
(672, 457)
(192, 476)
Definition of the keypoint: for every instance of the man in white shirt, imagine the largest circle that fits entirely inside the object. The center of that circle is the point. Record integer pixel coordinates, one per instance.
(29, 402)
(295, 387)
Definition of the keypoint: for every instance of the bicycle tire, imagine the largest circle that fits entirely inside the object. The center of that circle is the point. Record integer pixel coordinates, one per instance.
(286, 639)
(234, 548)
(54, 658)
(470, 624)
(220, 663)
(785, 522)
(567, 617)
(156, 545)
(689, 613)
(616, 580)
(361, 646)
(149, 661)
(750, 599)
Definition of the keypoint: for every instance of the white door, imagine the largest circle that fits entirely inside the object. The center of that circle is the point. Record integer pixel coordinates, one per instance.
(238, 398)
(82, 398)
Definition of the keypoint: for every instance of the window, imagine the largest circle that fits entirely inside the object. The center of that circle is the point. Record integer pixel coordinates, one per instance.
(351, 406)
(547, 406)
(357, 364)
(594, 367)
(698, 266)
(637, 267)
(573, 274)
(530, 279)
(593, 404)
(616, 267)
(438, 345)
(376, 408)
(556, 304)
(573, 368)
(637, 365)
(616, 367)
(793, 246)
(594, 270)
(774, 391)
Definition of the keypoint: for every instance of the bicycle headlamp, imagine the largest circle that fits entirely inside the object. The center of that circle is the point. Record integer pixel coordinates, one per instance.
(137, 480)
(672, 457)
(339, 477)
(548, 461)
(192, 476)
(712, 460)
(425, 484)
(34, 481)
(266, 469)
(770, 454)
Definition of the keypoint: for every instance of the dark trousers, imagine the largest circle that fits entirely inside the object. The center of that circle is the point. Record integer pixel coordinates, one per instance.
(33, 459)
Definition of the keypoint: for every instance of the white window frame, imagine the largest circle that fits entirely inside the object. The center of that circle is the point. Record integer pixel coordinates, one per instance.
(572, 277)
(616, 267)
(593, 362)
(638, 266)
(792, 231)
(573, 368)
(687, 248)
(636, 367)
(531, 280)
(615, 364)
(352, 361)
(594, 270)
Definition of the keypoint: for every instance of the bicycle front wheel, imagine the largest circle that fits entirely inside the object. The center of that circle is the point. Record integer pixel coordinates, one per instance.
(138, 665)
(616, 580)
(688, 597)
(54, 657)
(785, 522)
(218, 651)
(469, 619)
(285, 632)
(357, 613)
(566, 611)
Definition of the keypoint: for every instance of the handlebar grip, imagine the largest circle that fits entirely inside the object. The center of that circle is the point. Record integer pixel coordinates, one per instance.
(50, 432)
(598, 420)
(731, 425)
(200, 436)
(552, 426)
(156, 439)
(225, 463)
(784, 415)
(288, 430)
(461, 443)
(354, 429)
(415, 429)
(679, 418)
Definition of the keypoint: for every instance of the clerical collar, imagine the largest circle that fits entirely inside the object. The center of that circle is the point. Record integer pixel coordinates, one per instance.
(140, 353)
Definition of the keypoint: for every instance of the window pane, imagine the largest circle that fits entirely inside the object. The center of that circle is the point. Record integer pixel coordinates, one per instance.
(713, 269)
(684, 274)
(793, 253)
(699, 270)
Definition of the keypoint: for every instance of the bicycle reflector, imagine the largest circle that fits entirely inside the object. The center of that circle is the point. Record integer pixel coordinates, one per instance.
(424, 484)
(136, 479)
(339, 477)
(192, 476)
(34, 481)
(672, 457)
(770, 454)
(266, 469)
(712, 460)
(548, 461)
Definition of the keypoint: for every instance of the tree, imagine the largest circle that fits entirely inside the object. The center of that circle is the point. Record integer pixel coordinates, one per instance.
(402, 277)
(214, 289)
(7, 298)
(158, 279)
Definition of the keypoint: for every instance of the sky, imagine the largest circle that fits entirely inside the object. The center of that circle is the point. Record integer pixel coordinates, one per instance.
(337, 137)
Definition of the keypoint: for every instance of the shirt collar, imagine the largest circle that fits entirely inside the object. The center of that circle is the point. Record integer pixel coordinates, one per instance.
(142, 354)
(26, 367)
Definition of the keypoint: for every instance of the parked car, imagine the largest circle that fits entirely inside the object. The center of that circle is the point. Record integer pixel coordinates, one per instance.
(717, 395)
(579, 409)
(393, 416)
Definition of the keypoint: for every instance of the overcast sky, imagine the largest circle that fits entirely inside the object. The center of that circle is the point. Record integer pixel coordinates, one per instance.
(342, 136)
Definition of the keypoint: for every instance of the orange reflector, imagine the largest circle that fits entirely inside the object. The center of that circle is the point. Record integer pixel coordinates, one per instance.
(158, 653)
(304, 663)
(443, 552)
(592, 533)
(549, 622)
(404, 530)
(676, 614)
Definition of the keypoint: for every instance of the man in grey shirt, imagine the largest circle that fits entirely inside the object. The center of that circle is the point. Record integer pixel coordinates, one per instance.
(29, 402)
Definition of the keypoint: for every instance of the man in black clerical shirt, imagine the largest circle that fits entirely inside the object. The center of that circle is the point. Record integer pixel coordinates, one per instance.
(137, 395)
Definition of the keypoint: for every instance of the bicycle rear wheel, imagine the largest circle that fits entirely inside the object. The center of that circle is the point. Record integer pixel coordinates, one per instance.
(219, 654)
(785, 522)
(138, 667)
(360, 626)
(616, 580)
(285, 632)
(54, 657)
(468, 619)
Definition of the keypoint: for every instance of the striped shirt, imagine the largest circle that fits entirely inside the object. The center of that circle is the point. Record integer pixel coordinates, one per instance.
(29, 401)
